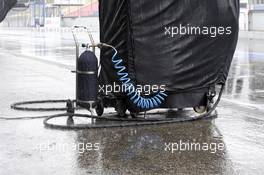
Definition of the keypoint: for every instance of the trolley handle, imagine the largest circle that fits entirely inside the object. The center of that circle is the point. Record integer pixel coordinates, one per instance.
(74, 28)
(92, 44)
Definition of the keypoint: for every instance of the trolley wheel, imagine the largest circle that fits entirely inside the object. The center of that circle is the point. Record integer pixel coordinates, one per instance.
(70, 107)
(99, 107)
(121, 108)
(200, 109)
(134, 114)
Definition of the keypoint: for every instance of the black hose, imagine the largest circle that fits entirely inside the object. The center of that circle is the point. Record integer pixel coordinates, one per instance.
(127, 122)
(130, 122)
(19, 105)
(32, 118)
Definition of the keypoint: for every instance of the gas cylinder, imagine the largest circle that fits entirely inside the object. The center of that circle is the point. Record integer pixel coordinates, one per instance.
(86, 80)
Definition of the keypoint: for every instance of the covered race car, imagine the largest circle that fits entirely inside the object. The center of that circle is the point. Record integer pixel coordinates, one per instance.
(5, 6)
(183, 48)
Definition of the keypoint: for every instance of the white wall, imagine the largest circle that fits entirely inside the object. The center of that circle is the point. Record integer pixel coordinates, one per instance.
(91, 22)
(257, 21)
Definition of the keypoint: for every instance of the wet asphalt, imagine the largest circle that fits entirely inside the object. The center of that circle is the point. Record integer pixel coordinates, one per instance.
(36, 65)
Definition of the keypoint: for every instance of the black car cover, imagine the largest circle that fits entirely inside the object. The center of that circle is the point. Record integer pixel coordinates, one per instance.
(183, 44)
(5, 6)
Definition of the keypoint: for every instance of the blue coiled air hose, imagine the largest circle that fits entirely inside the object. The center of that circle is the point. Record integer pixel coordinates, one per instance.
(144, 103)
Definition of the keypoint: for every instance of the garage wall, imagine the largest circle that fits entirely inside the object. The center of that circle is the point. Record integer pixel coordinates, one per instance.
(257, 21)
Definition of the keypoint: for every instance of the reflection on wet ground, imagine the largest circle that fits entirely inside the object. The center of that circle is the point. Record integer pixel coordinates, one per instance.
(27, 147)
(143, 150)
(246, 78)
(52, 46)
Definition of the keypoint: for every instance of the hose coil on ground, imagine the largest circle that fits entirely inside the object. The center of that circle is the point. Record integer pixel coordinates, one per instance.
(144, 103)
